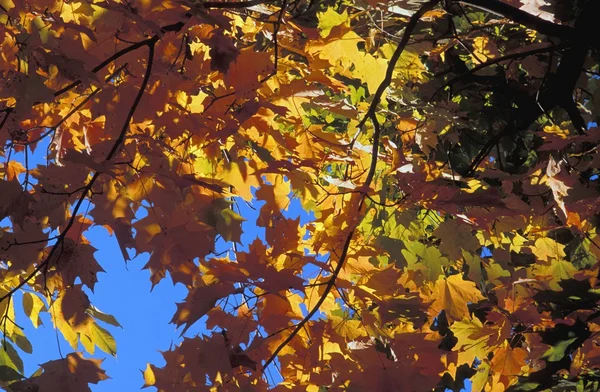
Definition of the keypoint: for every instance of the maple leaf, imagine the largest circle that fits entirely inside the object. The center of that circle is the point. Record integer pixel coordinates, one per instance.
(33, 305)
(414, 207)
(406, 309)
(330, 19)
(508, 361)
(222, 51)
(73, 373)
(76, 261)
(71, 315)
(456, 236)
(198, 302)
(452, 295)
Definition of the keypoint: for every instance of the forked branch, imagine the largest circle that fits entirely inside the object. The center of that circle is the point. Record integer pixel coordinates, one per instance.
(43, 265)
(371, 114)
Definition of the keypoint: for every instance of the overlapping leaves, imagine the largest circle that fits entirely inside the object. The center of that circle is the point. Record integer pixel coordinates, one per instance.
(442, 152)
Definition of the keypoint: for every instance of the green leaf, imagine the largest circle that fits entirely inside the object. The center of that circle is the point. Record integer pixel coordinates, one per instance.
(579, 254)
(357, 94)
(229, 225)
(9, 374)
(87, 343)
(9, 358)
(557, 352)
(21, 340)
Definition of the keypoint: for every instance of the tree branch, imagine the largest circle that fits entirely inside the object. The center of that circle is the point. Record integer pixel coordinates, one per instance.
(561, 85)
(497, 60)
(526, 19)
(235, 4)
(375, 151)
(109, 60)
(389, 73)
(71, 112)
(61, 238)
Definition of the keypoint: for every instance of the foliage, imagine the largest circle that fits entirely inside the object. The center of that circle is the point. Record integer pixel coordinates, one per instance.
(442, 148)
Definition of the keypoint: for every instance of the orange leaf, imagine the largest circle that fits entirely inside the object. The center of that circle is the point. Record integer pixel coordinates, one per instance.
(509, 361)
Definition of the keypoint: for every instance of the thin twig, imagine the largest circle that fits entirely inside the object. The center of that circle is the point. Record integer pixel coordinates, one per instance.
(389, 73)
(117, 144)
(497, 60)
(370, 176)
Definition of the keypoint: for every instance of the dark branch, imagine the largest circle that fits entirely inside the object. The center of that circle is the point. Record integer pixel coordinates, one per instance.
(497, 60)
(389, 73)
(526, 19)
(61, 238)
(371, 114)
(235, 4)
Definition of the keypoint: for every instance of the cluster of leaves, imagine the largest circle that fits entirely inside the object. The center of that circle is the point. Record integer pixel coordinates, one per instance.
(442, 147)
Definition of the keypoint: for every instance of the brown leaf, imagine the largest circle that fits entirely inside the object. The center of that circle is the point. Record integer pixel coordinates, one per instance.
(198, 302)
(71, 374)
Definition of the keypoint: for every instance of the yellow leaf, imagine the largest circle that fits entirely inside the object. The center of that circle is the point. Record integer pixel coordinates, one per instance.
(330, 19)
(33, 305)
(480, 379)
(149, 377)
(103, 339)
(554, 271)
(344, 54)
(472, 342)
(483, 50)
(452, 295)
(547, 249)
(7, 4)
(241, 177)
(346, 327)
(13, 169)
(409, 66)
(196, 102)
(424, 258)
(329, 348)
(556, 130)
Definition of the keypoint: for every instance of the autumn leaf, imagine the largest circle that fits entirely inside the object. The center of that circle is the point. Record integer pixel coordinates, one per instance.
(508, 361)
(558, 186)
(198, 302)
(72, 373)
(330, 19)
(373, 195)
(32, 306)
(453, 294)
(229, 225)
(11, 365)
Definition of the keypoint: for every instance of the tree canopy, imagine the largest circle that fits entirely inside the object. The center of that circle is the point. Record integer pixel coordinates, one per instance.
(446, 150)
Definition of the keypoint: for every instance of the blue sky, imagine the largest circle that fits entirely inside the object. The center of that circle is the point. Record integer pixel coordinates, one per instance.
(124, 291)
